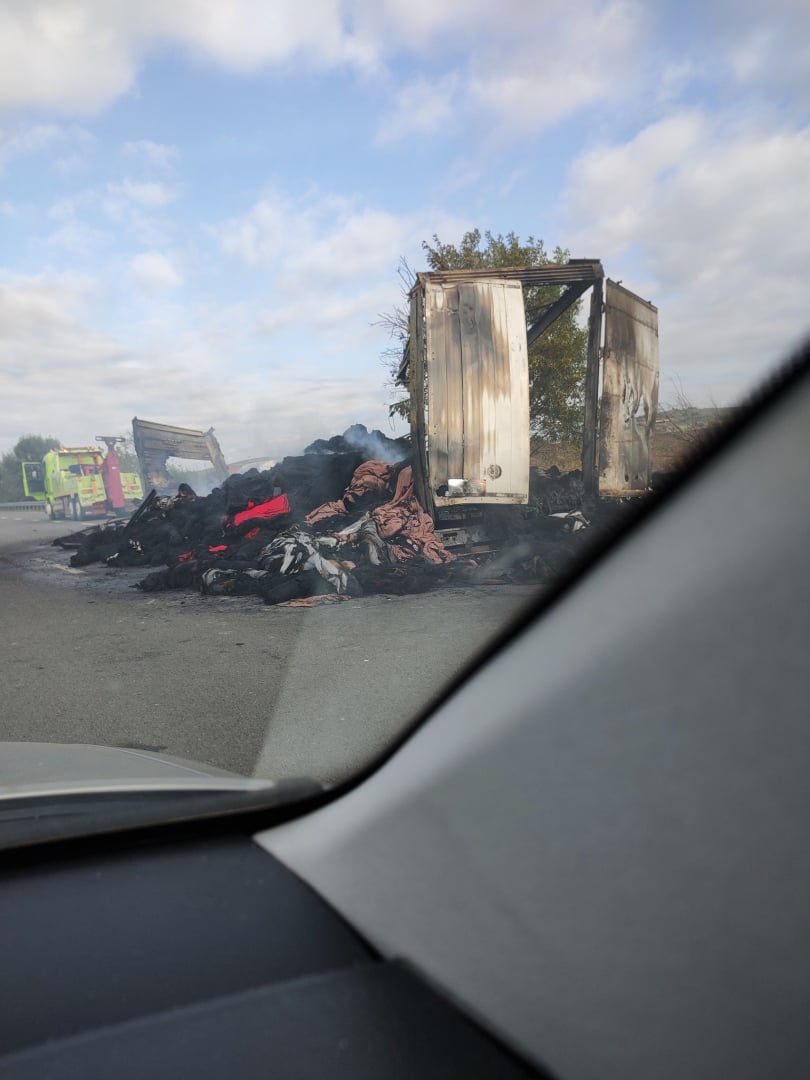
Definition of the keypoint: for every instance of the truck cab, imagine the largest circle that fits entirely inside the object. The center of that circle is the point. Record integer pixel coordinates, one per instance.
(70, 482)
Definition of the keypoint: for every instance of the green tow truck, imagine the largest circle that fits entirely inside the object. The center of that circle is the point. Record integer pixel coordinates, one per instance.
(81, 482)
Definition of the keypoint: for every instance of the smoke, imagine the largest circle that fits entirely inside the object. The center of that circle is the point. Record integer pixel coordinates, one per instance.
(377, 446)
(373, 445)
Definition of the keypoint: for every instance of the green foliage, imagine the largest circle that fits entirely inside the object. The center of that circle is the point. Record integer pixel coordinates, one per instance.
(27, 448)
(557, 360)
(34, 447)
(127, 456)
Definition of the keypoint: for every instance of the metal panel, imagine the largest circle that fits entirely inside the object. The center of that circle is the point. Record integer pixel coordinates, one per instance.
(471, 351)
(415, 352)
(590, 442)
(156, 443)
(436, 334)
(478, 392)
(629, 392)
(455, 384)
(575, 270)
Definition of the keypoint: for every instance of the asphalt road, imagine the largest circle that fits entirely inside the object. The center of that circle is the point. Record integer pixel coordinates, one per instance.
(269, 691)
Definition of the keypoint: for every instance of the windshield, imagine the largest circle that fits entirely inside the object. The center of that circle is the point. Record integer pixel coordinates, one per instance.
(389, 311)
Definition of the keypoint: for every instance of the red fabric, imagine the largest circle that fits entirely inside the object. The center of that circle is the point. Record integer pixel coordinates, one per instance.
(252, 533)
(218, 548)
(270, 509)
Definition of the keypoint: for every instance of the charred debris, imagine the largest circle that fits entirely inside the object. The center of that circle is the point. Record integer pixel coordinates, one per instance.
(333, 523)
(457, 503)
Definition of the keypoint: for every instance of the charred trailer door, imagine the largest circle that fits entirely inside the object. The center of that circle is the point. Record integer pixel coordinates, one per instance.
(629, 393)
(470, 393)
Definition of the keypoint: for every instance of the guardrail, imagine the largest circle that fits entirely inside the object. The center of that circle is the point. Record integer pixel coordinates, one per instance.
(38, 507)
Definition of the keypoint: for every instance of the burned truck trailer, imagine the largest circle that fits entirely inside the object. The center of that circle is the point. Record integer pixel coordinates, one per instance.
(156, 443)
(466, 366)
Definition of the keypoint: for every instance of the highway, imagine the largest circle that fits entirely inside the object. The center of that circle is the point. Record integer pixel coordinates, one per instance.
(267, 691)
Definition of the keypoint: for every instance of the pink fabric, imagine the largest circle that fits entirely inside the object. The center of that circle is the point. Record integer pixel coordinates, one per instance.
(401, 522)
(407, 528)
(370, 478)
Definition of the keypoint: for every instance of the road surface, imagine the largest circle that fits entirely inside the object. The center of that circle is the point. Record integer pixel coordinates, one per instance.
(261, 690)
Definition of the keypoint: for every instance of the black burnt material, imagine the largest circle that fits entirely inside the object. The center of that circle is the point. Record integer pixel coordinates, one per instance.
(374, 541)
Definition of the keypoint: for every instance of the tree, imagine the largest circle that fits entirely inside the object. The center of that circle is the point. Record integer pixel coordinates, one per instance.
(557, 360)
(27, 448)
(127, 456)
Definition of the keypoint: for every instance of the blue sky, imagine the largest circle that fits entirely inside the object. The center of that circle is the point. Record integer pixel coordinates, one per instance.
(203, 205)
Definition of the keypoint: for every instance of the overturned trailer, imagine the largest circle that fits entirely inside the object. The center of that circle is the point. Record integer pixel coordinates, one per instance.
(156, 443)
(467, 370)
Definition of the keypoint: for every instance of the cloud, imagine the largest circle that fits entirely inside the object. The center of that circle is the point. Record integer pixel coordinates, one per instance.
(38, 139)
(69, 57)
(28, 141)
(62, 375)
(76, 238)
(423, 107)
(80, 55)
(523, 71)
(710, 219)
(155, 154)
(522, 66)
(327, 239)
(355, 244)
(764, 48)
(245, 35)
(330, 313)
(327, 266)
(148, 194)
(69, 205)
(528, 93)
(154, 272)
(48, 351)
(265, 232)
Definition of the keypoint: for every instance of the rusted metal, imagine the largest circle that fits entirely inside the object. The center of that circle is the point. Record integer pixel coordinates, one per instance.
(629, 392)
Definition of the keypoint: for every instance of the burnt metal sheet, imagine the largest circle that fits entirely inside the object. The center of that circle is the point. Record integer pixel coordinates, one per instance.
(476, 365)
(590, 440)
(629, 392)
(575, 270)
(417, 393)
(156, 443)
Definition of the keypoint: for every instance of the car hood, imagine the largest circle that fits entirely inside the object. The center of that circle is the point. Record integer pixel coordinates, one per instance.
(51, 769)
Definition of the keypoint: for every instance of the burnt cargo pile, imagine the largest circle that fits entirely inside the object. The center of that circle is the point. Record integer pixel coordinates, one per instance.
(330, 523)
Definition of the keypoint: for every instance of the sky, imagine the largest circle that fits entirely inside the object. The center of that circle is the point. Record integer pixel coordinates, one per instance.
(203, 205)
